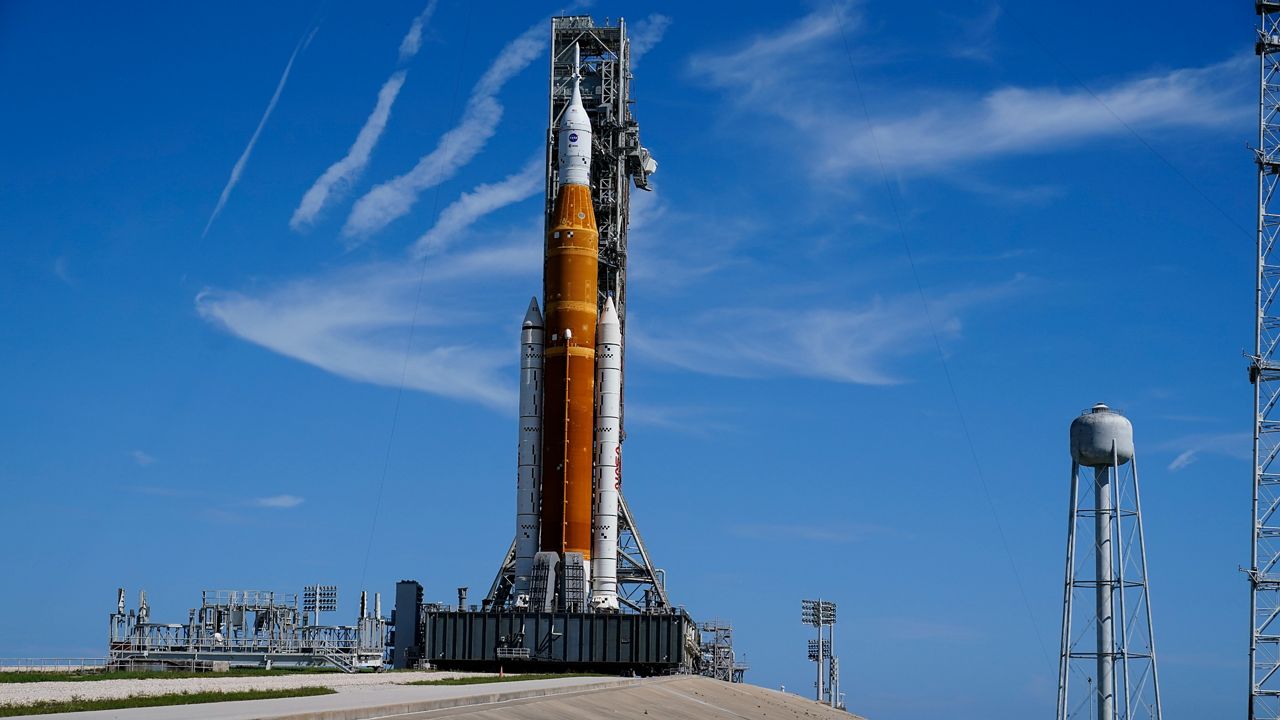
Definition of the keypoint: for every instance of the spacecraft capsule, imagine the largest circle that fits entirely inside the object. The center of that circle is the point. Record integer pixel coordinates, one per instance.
(575, 136)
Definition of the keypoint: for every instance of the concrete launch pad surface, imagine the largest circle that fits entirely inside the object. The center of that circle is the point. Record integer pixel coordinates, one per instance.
(680, 698)
(356, 702)
(676, 698)
(63, 690)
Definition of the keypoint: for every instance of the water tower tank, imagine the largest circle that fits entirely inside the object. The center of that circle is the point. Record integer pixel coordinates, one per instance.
(1095, 433)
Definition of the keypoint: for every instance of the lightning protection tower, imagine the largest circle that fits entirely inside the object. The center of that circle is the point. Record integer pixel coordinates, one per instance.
(1107, 665)
(1264, 374)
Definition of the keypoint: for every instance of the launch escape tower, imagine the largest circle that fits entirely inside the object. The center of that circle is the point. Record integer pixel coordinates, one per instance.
(1111, 675)
(618, 160)
(1264, 374)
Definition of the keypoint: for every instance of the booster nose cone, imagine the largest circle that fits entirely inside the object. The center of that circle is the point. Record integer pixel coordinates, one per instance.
(533, 318)
(575, 136)
(609, 316)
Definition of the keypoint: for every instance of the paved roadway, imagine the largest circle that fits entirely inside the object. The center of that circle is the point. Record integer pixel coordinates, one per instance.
(684, 698)
(350, 702)
(585, 698)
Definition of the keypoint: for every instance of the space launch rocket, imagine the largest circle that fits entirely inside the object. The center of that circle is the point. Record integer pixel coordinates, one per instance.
(570, 401)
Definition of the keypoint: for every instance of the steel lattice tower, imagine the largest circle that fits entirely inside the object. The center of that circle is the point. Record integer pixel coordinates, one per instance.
(1264, 374)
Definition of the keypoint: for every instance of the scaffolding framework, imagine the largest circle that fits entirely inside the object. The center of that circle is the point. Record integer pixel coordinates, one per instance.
(1264, 374)
(719, 661)
(249, 628)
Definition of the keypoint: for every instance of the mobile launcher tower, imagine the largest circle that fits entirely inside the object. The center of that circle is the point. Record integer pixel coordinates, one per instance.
(577, 589)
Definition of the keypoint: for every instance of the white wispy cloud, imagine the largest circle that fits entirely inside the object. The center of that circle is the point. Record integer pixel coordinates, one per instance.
(705, 421)
(1191, 447)
(238, 168)
(1184, 458)
(412, 41)
(844, 343)
(355, 323)
(394, 198)
(929, 130)
(645, 34)
(663, 260)
(484, 199)
(342, 173)
(975, 36)
(762, 66)
(1018, 120)
(60, 269)
(142, 458)
(279, 501)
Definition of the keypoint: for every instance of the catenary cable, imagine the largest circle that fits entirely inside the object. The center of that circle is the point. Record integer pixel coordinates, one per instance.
(1131, 130)
(933, 329)
(413, 325)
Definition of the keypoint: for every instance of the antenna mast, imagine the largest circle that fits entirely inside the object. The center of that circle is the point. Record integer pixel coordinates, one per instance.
(1264, 374)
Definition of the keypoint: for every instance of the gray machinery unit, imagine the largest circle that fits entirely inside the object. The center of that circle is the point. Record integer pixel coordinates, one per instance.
(406, 620)
(525, 640)
(250, 628)
(1107, 663)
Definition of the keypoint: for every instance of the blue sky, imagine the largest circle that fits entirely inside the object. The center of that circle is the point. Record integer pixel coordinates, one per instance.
(201, 376)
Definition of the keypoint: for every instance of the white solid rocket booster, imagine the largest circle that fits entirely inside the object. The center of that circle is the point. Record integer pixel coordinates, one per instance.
(529, 472)
(608, 464)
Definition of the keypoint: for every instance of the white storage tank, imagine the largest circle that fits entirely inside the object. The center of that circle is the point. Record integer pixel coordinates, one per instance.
(1095, 433)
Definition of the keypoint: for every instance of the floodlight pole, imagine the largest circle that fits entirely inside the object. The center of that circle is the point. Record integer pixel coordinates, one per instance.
(817, 621)
(820, 613)
(835, 677)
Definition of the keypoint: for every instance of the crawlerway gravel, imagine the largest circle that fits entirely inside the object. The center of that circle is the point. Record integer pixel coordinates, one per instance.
(23, 693)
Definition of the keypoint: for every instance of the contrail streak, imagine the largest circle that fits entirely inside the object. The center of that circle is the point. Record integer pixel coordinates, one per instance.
(244, 157)
(394, 198)
(340, 175)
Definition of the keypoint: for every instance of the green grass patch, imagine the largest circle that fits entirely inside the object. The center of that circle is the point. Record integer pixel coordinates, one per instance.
(480, 680)
(136, 701)
(88, 675)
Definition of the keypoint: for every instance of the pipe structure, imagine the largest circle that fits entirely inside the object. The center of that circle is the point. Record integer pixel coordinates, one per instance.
(608, 465)
(529, 471)
(570, 286)
(1105, 576)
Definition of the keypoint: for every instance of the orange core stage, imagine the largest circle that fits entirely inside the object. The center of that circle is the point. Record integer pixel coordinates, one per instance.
(568, 411)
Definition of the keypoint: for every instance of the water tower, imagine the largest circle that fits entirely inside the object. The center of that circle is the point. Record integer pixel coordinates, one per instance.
(1107, 666)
